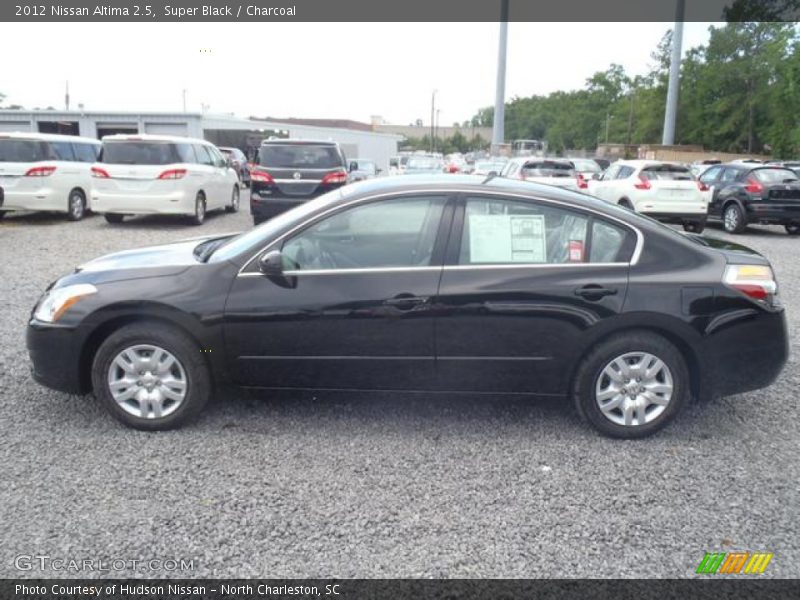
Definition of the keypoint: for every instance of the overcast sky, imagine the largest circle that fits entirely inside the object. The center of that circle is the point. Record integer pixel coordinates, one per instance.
(325, 70)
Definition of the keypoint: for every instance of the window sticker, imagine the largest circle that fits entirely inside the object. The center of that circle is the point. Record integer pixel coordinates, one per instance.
(507, 239)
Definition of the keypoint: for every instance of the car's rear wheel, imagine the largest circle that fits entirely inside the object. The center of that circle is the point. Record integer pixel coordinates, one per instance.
(199, 216)
(632, 385)
(114, 217)
(151, 377)
(234, 205)
(733, 219)
(792, 229)
(76, 205)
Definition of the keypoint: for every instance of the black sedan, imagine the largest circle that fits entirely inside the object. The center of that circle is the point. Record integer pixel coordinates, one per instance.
(422, 284)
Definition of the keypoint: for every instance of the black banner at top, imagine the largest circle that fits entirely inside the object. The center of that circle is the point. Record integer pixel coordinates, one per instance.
(149, 11)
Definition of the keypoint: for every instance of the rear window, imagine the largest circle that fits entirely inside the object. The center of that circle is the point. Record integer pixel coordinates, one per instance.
(23, 151)
(299, 156)
(774, 175)
(667, 173)
(140, 153)
(587, 166)
(548, 169)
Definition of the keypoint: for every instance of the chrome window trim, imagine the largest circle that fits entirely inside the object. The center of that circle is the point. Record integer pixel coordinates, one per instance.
(637, 251)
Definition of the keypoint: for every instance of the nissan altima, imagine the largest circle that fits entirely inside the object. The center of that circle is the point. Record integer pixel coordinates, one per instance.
(418, 284)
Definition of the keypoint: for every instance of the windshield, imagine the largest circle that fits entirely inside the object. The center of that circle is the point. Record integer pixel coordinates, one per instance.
(266, 231)
(299, 156)
(23, 151)
(775, 175)
(139, 153)
(547, 169)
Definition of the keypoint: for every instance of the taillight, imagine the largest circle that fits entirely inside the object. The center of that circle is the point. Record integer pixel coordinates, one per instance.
(335, 177)
(644, 183)
(100, 173)
(754, 281)
(258, 175)
(582, 183)
(40, 172)
(753, 186)
(173, 174)
(702, 186)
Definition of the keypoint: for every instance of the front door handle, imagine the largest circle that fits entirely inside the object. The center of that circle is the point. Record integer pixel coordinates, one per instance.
(595, 292)
(406, 301)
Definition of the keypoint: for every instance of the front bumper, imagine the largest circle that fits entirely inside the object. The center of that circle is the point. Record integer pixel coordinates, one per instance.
(55, 353)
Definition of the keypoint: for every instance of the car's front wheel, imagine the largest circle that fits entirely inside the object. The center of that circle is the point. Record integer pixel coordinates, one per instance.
(234, 205)
(733, 219)
(199, 216)
(792, 229)
(151, 377)
(632, 385)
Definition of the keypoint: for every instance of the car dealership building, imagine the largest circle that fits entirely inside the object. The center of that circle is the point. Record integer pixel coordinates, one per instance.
(221, 129)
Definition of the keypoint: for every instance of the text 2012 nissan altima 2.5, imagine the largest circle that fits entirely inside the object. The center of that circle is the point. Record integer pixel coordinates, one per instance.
(417, 284)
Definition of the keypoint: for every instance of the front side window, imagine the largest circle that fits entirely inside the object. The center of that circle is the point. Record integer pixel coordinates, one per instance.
(611, 173)
(505, 231)
(400, 232)
(625, 172)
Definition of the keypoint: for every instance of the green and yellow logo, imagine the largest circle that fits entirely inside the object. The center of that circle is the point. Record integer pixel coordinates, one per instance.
(723, 563)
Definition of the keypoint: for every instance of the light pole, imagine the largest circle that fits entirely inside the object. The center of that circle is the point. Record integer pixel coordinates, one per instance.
(498, 124)
(671, 111)
(436, 130)
(433, 105)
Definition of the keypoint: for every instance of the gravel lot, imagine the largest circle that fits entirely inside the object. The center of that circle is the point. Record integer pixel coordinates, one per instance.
(305, 484)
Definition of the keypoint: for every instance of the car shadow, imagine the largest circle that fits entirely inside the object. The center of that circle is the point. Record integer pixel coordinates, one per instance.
(37, 218)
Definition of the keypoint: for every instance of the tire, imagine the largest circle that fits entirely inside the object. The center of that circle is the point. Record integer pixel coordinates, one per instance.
(258, 221)
(233, 207)
(76, 205)
(625, 203)
(792, 229)
(694, 226)
(189, 371)
(646, 416)
(733, 219)
(199, 216)
(114, 217)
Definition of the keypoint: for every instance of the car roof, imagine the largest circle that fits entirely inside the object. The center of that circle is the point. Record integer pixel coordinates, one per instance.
(46, 137)
(287, 141)
(147, 137)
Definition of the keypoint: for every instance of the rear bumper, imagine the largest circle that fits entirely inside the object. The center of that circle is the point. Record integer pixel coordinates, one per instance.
(746, 353)
(773, 212)
(39, 199)
(266, 208)
(131, 203)
(55, 357)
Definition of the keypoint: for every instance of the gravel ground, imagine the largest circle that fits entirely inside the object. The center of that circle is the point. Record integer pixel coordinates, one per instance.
(302, 484)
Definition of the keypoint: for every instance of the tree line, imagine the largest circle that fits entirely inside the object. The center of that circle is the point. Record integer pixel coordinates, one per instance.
(740, 92)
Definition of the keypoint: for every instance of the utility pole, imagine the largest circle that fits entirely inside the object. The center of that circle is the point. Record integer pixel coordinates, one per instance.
(433, 109)
(499, 121)
(671, 112)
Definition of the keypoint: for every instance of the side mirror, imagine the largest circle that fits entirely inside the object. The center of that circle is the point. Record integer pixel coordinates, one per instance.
(271, 264)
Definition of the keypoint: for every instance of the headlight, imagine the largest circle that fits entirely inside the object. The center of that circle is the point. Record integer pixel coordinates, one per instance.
(56, 302)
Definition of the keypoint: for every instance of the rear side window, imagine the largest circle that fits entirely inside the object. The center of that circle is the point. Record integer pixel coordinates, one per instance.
(204, 157)
(139, 153)
(62, 151)
(186, 153)
(610, 243)
(774, 175)
(625, 172)
(667, 173)
(23, 151)
(86, 152)
(300, 156)
(710, 175)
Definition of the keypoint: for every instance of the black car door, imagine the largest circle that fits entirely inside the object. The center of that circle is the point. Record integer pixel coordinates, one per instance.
(727, 187)
(522, 282)
(353, 307)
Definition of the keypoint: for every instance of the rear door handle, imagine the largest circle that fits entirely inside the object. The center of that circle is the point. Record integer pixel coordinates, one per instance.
(406, 301)
(595, 292)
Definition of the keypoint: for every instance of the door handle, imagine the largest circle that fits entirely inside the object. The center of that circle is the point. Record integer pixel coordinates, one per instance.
(595, 292)
(406, 301)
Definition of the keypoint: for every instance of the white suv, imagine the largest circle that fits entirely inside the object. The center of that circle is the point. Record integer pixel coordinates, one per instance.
(46, 172)
(551, 171)
(663, 190)
(154, 174)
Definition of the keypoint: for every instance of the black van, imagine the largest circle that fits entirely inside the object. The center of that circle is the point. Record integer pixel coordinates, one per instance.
(290, 172)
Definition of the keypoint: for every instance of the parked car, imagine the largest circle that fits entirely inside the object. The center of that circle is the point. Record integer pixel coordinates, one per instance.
(699, 167)
(166, 175)
(47, 172)
(552, 171)
(662, 190)
(239, 163)
(397, 164)
(485, 167)
(363, 168)
(742, 193)
(423, 165)
(421, 283)
(586, 168)
(291, 172)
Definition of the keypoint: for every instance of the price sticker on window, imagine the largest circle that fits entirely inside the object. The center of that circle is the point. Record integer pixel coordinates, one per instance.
(575, 251)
